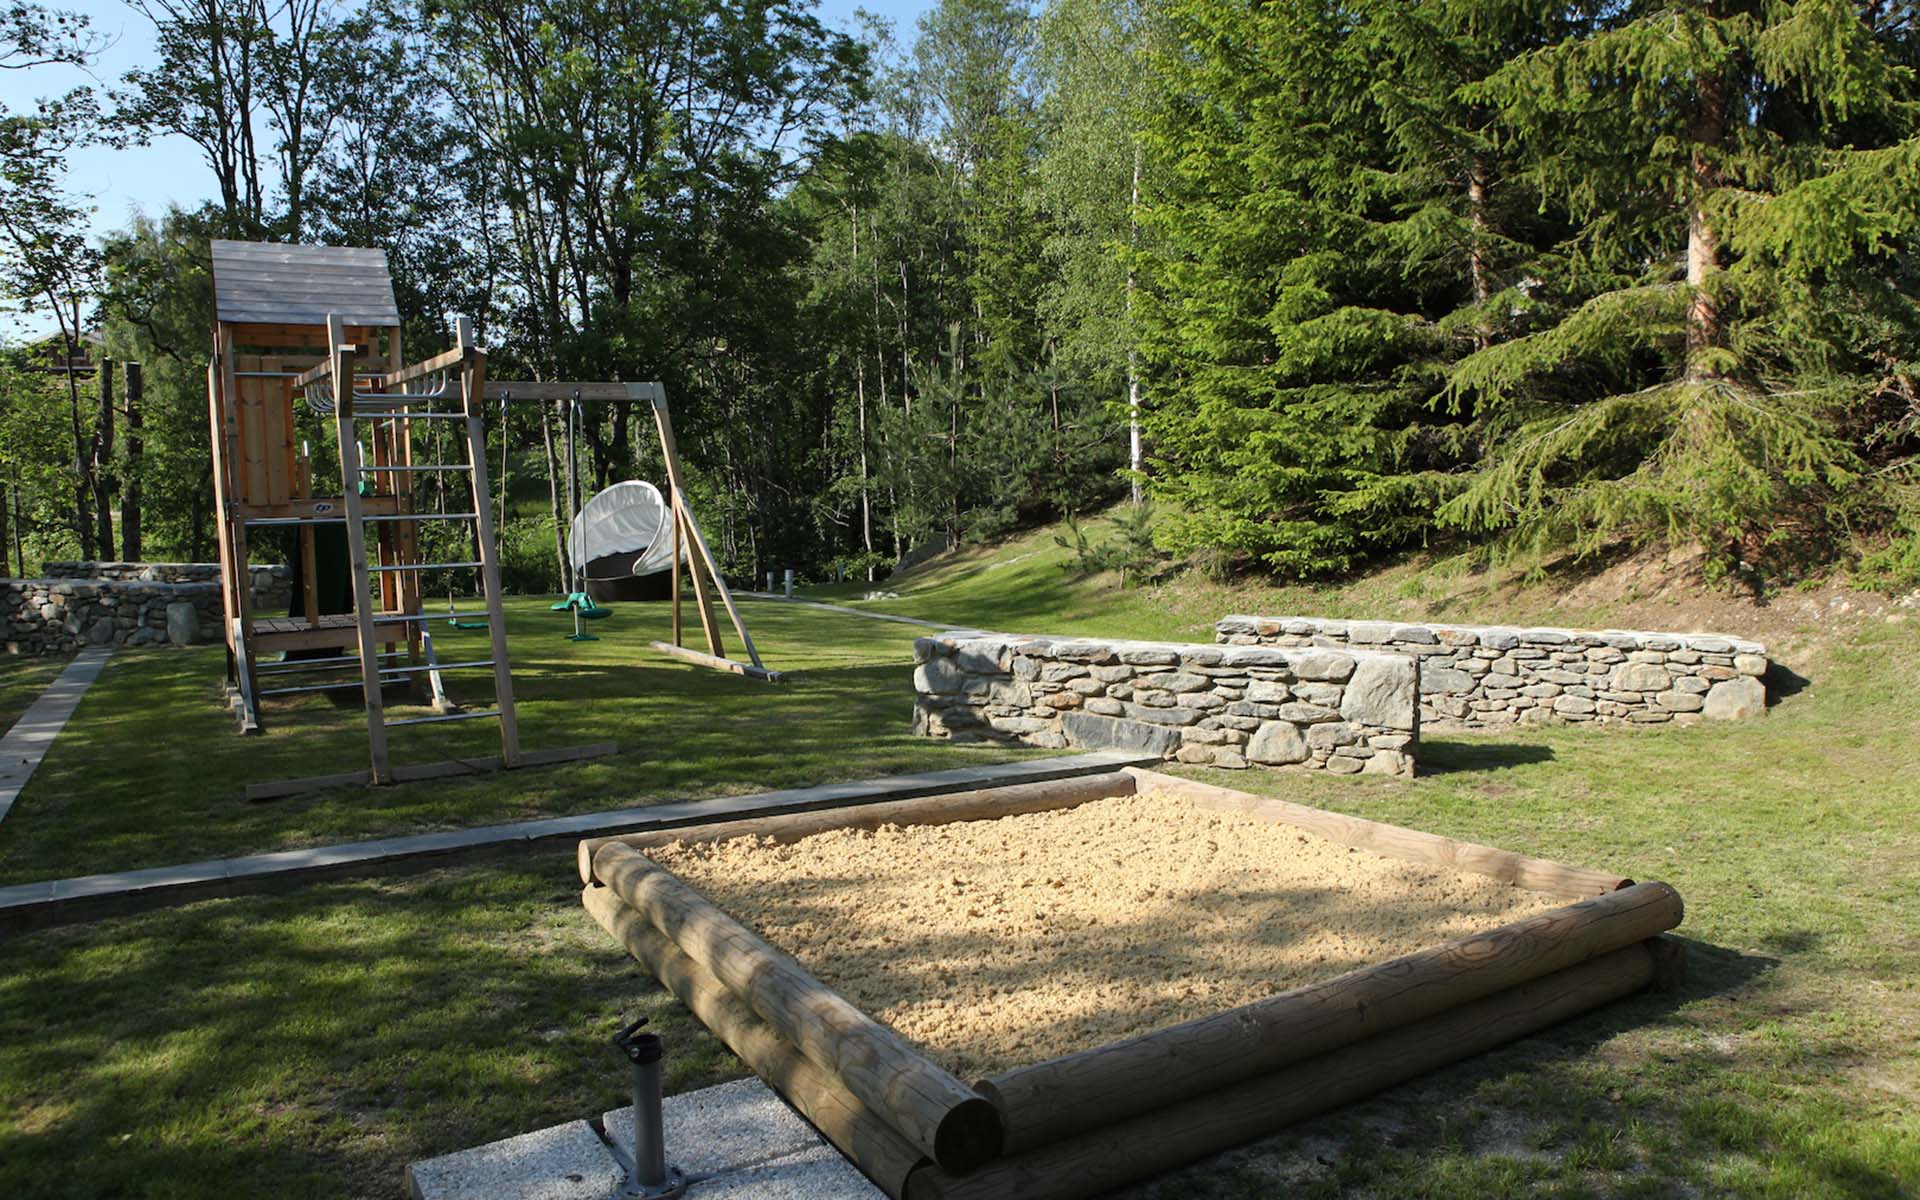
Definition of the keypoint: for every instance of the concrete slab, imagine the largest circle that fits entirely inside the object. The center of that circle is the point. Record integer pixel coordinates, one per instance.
(818, 1174)
(27, 743)
(565, 1162)
(720, 1129)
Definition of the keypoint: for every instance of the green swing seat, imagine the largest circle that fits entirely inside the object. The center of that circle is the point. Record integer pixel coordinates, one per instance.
(584, 604)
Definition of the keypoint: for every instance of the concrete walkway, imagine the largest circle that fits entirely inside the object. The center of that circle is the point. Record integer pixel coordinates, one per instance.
(89, 897)
(852, 612)
(32, 735)
(736, 1141)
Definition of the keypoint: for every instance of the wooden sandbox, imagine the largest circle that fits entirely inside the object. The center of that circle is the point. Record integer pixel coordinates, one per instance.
(1081, 1122)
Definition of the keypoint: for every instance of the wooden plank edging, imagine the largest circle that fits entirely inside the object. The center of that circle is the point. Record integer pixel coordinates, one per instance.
(44, 903)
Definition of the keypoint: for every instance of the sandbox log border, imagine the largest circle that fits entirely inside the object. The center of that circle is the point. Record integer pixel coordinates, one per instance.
(1081, 1123)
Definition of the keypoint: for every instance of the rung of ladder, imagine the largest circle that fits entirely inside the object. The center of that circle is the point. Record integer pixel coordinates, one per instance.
(408, 618)
(435, 720)
(312, 687)
(445, 666)
(297, 666)
(446, 566)
(418, 467)
(423, 517)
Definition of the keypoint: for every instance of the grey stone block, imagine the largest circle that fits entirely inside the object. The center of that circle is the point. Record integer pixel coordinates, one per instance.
(1113, 733)
(720, 1129)
(819, 1174)
(566, 1162)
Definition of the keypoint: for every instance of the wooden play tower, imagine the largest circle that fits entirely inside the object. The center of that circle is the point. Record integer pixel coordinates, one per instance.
(313, 332)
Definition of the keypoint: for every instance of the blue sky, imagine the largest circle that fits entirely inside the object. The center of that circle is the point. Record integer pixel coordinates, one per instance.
(148, 178)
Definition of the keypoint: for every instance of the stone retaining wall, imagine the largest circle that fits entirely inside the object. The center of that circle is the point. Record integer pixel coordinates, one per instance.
(124, 604)
(1225, 706)
(1483, 677)
(272, 585)
(48, 616)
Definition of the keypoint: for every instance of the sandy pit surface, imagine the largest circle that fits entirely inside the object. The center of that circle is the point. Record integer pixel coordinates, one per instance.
(994, 944)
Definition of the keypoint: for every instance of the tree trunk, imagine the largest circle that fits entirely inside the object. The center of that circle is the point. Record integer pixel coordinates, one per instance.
(1705, 326)
(6, 498)
(130, 532)
(102, 471)
(1478, 269)
(1135, 459)
(82, 487)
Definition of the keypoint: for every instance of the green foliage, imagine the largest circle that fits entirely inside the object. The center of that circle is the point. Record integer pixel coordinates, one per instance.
(1131, 552)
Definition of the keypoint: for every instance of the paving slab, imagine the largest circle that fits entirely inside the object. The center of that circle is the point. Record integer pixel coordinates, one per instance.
(817, 1174)
(565, 1162)
(720, 1129)
(27, 743)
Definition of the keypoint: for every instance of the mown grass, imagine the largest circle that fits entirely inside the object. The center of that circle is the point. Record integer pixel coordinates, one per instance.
(150, 771)
(22, 679)
(311, 1044)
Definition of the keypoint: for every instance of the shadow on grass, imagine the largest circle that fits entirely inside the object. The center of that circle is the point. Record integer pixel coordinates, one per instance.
(1442, 757)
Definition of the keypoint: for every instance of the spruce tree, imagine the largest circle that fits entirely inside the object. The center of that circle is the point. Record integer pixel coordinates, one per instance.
(1718, 341)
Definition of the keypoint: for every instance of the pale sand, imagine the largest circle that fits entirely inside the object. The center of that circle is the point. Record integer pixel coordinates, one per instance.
(994, 944)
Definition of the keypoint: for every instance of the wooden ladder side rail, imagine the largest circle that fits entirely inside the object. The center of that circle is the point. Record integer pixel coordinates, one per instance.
(235, 540)
(473, 399)
(342, 358)
(670, 451)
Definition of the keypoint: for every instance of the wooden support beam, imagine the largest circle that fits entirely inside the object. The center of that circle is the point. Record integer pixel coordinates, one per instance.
(342, 377)
(443, 361)
(1394, 841)
(940, 1116)
(855, 1129)
(473, 390)
(1168, 1137)
(718, 662)
(669, 448)
(943, 808)
(1053, 1100)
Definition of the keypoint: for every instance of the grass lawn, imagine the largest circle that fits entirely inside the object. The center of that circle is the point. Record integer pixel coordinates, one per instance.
(150, 772)
(22, 679)
(311, 1044)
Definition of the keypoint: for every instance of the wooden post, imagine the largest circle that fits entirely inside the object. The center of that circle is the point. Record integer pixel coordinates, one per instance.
(683, 519)
(341, 355)
(1056, 1099)
(1167, 1137)
(945, 808)
(473, 398)
(854, 1128)
(670, 450)
(941, 1116)
(234, 535)
(678, 549)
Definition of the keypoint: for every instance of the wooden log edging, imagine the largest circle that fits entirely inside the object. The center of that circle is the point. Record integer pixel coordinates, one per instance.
(856, 1130)
(1168, 1137)
(1394, 841)
(1061, 1097)
(942, 1117)
(978, 804)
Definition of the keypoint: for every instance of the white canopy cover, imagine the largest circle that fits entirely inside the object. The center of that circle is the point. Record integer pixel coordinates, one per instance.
(629, 527)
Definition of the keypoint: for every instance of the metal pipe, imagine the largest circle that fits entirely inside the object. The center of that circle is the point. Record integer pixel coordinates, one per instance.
(651, 1175)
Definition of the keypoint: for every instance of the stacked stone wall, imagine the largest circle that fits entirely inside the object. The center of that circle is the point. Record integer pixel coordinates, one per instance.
(272, 585)
(1486, 677)
(82, 604)
(1225, 706)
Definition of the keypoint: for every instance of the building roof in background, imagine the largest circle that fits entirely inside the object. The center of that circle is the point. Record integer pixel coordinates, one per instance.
(267, 283)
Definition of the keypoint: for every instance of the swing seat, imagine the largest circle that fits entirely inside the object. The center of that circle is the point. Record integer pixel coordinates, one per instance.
(584, 605)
